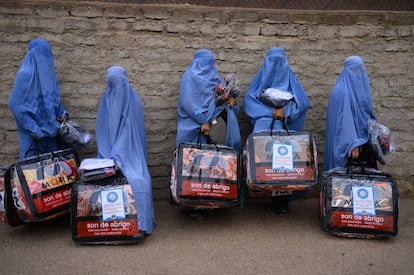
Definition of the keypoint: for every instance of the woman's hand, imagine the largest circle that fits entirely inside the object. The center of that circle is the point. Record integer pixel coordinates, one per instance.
(279, 114)
(61, 119)
(205, 129)
(220, 100)
(354, 154)
(232, 102)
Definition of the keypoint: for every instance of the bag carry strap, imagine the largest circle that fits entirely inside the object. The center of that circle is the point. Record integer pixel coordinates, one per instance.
(199, 139)
(283, 124)
(34, 146)
(355, 163)
(209, 141)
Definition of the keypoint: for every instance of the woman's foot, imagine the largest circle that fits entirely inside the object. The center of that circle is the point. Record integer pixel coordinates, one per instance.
(283, 209)
(196, 214)
(281, 205)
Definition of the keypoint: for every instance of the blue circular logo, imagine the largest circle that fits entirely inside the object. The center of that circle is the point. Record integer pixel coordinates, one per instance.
(282, 150)
(112, 197)
(362, 193)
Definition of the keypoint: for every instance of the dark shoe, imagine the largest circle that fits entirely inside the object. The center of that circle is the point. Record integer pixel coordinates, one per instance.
(195, 214)
(282, 205)
(282, 210)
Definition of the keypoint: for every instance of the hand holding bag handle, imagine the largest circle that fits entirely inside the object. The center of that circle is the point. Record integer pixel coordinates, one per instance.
(209, 140)
(283, 123)
(352, 163)
(278, 114)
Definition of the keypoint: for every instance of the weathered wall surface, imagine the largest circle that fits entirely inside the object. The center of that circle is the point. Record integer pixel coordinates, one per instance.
(156, 43)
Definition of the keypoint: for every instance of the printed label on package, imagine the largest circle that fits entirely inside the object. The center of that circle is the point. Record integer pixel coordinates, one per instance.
(363, 200)
(282, 157)
(127, 227)
(299, 173)
(208, 189)
(113, 206)
(378, 222)
(53, 200)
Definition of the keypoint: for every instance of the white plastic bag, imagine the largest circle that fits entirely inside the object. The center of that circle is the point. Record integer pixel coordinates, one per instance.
(275, 98)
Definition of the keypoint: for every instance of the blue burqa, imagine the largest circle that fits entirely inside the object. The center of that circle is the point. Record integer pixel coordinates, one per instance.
(121, 135)
(196, 104)
(275, 73)
(349, 109)
(35, 101)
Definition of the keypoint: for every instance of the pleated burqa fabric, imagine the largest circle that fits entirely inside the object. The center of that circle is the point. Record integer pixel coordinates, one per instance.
(121, 135)
(196, 104)
(275, 73)
(349, 109)
(35, 101)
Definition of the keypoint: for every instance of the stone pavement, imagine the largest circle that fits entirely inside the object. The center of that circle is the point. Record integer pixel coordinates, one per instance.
(249, 240)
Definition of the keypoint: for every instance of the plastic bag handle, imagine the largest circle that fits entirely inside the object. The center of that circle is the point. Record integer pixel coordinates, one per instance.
(35, 144)
(354, 163)
(208, 140)
(283, 123)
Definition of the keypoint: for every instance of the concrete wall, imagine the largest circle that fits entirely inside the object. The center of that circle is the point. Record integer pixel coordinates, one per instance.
(156, 43)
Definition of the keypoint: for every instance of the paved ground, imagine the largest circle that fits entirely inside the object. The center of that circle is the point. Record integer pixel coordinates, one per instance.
(252, 240)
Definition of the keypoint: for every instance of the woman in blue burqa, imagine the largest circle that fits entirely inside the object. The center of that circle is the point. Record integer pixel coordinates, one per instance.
(349, 109)
(35, 102)
(121, 135)
(198, 105)
(276, 73)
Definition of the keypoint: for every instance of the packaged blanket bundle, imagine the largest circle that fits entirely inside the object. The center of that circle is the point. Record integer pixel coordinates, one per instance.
(92, 169)
(41, 185)
(359, 203)
(279, 163)
(103, 208)
(205, 176)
